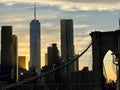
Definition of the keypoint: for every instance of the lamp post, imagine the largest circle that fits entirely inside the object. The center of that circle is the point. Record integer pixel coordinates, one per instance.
(116, 61)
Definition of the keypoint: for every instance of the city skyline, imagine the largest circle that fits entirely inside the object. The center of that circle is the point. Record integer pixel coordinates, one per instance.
(87, 17)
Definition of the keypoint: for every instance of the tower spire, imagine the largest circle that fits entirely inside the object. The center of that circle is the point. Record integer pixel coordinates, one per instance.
(34, 11)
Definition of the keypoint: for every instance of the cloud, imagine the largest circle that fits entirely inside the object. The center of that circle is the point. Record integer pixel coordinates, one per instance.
(81, 26)
(74, 5)
(89, 6)
(14, 18)
(91, 1)
(87, 15)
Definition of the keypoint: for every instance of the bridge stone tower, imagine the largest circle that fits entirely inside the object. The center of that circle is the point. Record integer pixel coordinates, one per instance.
(102, 42)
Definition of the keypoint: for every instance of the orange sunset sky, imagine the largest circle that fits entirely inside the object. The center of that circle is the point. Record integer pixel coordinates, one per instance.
(87, 15)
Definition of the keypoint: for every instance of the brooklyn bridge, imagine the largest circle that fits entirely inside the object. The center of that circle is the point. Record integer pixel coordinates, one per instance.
(101, 43)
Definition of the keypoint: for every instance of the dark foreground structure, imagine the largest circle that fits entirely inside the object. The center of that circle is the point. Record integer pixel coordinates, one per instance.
(102, 42)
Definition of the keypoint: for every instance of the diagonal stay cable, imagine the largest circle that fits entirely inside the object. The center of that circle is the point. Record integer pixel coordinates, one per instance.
(47, 73)
(70, 62)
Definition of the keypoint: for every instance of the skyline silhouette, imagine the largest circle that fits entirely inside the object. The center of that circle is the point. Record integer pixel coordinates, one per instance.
(85, 21)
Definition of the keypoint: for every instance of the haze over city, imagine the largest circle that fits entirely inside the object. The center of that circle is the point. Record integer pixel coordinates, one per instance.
(88, 16)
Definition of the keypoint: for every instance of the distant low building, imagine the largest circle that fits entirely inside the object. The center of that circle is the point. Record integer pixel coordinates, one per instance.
(22, 62)
(46, 59)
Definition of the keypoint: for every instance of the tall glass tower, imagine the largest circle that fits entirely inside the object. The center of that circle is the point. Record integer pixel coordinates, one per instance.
(35, 44)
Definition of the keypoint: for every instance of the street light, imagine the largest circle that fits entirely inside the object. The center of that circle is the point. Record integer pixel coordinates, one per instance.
(116, 61)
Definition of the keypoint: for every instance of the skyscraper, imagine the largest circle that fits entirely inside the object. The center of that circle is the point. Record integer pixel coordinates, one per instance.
(67, 46)
(14, 50)
(14, 57)
(52, 55)
(6, 44)
(35, 44)
(8, 54)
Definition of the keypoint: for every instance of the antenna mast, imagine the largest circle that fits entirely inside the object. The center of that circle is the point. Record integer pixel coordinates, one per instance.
(34, 11)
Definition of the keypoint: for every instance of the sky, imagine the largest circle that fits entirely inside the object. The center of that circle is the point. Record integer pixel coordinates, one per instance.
(87, 15)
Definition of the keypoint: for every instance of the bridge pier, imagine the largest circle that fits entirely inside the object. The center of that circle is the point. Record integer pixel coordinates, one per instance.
(118, 66)
(102, 42)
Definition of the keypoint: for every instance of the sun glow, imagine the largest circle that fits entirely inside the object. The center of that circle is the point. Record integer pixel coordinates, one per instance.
(109, 66)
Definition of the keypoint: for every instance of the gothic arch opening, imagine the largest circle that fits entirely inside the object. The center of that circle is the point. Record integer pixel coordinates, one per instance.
(102, 42)
(109, 69)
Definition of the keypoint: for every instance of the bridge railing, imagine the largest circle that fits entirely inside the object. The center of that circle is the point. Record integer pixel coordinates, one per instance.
(71, 86)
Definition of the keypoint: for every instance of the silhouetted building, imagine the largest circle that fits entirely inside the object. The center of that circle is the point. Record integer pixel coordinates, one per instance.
(22, 62)
(8, 55)
(14, 50)
(52, 62)
(35, 45)
(46, 59)
(82, 80)
(14, 57)
(76, 64)
(53, 55)
(6, 44)
(67, 46)
(0, 57)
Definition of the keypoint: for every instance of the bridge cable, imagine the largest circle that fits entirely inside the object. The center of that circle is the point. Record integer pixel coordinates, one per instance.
(47, 73)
